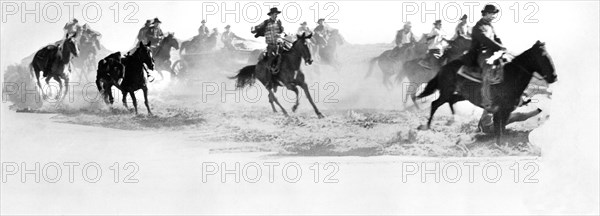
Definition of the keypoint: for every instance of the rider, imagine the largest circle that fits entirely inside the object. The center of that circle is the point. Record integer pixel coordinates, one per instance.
(155, 33)
(404, 38)
(228, 37)
(72, 27)
(271, 30)
(436, 46)
(143, 33)
(462, 29)
(90, 38)
(321, 31)
(485, 43)
(303, 29)
(203, 30)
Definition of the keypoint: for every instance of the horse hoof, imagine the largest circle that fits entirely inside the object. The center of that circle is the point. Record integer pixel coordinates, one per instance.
(294, 108)
(422, 127)
(320, 116)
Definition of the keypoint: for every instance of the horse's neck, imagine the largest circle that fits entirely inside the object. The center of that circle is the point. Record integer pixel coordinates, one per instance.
(523, 71)
(295, 57)
(64, 55)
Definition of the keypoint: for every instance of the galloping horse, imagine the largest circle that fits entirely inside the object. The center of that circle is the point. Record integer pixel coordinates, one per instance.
(390, 66)
(52, 60)
(517, 75)
(417, 75)
(162, 53)
(197, 44)
(289, 74)
(135, 78)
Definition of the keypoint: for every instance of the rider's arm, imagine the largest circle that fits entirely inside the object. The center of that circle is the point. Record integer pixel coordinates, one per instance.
(480, 34)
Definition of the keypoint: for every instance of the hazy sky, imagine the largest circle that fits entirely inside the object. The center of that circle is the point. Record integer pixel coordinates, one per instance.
(561, 24)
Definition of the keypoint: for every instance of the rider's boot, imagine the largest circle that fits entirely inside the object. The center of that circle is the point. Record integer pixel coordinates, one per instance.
(486, 94)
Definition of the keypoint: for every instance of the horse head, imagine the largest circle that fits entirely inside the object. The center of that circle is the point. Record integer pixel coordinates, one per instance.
(170, 40)
(70, 45)
(542, 62)
(301, 45)
(144, 54)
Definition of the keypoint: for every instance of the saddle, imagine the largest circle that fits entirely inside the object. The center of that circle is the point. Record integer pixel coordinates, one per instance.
(475, 73)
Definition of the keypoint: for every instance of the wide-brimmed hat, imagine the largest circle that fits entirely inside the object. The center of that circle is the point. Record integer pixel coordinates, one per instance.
(464, 17)
(437, 22)
(156, 20)
(273, 10)
(203, 21)
(408, 23)
(321, 20)
(303, 23)
(227, 26)
(490, 9)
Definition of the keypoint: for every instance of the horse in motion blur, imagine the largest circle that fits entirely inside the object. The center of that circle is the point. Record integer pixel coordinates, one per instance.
(417, 74)
(507, 94)
(52, 60)
(197, 44)
(135, 77)
(391, 65)
(328, 52)
(162, 53)
(290, 74)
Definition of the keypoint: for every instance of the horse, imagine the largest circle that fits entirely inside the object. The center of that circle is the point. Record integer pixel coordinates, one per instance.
(197, 44)
(327, 52)
(507, 95)
(134, 77)
(162, 54)
(391, 66)
(85, 63)
(110, 72)
(52, 60)
(417, 74)
(290, 75)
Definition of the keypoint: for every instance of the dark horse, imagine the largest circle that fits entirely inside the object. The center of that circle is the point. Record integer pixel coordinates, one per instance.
(517, 75)
(290, 74)
(197, 44)
(52, 60)
(417, 75)
(162, 53)
(135, 77)
(110, 72)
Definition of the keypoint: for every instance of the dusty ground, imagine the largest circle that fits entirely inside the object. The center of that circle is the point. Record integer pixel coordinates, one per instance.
(362, 117)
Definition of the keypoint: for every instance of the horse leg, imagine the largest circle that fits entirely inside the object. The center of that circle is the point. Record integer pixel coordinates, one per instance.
(295, 90)
(145, 90)
(132, 93)
(66, 78)
(60, 85)
(272, 99)
(451, 103)
(304, 86)
(108, 92)
(434, 106)
(125, 99)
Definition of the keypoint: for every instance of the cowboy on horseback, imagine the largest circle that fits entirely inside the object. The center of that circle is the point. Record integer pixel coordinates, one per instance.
(485, 44)
(436, 40)
(155, 33)
(462, 29)
(271, 30)
(404, 38)
(143, 33)
(72, 27)
(90, 38)
(303, 29)
(228, 37)
(321, 35)
(203, 30)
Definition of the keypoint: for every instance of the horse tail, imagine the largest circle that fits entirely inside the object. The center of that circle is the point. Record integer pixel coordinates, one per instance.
(245, 77)
(371, 65)
(432, 85)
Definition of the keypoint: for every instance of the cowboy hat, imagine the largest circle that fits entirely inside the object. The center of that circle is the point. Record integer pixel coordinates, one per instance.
(438, 22)
(303, 23)
(203, 21)
(156, 20)
(273, 10)
(490, 9)
(464, 17)
(227, 26)
(408, 23)
(320, 20)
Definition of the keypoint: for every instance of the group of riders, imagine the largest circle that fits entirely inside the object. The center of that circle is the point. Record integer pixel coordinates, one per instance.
(484, 44)
(484, 40)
